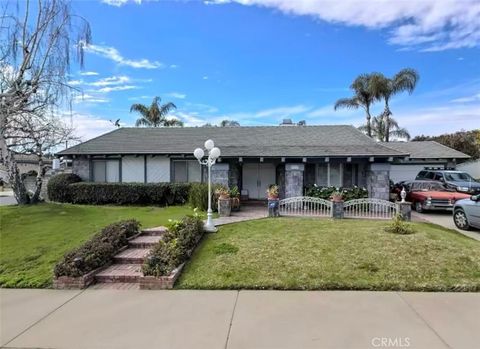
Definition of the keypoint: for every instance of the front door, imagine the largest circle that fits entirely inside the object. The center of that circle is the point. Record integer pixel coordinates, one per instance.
(256, 178)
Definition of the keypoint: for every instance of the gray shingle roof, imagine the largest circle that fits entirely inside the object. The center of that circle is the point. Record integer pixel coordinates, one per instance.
(426, 150)
(258, 141)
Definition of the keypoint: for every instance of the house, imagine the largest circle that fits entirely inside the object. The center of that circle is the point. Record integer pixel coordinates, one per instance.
(422, 154)
(252, 158)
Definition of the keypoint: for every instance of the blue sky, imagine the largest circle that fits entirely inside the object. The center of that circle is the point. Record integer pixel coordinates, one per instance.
(259, 61)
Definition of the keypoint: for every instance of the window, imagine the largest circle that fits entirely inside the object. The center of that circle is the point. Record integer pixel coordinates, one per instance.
(106, 171)
(322, 175)
(350, 175)
(338, 175)
(186, 171)
(335, 175)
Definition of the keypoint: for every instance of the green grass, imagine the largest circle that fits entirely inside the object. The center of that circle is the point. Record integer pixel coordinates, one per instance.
(33, 238)
(290, 253)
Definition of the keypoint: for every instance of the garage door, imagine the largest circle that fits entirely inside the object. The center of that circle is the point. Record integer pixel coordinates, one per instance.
(400, 173)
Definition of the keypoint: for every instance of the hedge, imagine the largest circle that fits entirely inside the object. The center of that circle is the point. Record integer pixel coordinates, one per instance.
(175, 247)
(58, 187)
(98, 251)
(326, 192)
(198, 196)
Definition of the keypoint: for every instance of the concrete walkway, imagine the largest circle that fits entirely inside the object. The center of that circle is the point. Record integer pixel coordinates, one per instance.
(237, 319)
(444, 219)
(247, 213)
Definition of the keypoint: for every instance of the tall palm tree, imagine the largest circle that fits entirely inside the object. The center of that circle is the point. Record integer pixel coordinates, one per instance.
(404, 81)
(155, 115)
(365, 92)
(379, 129)
(226, 123)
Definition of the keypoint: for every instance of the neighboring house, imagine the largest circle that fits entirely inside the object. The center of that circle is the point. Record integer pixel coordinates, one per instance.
(422, 154)
(471, 167)
(252, 158)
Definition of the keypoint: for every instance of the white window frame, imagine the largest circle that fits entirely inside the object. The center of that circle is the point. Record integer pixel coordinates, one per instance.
(329, 184)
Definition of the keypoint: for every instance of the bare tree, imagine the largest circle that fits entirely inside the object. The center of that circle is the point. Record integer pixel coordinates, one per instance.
(37, 40)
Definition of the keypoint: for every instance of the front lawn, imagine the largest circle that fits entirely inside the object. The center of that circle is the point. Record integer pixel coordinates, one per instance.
(302, 253)
(33, 238)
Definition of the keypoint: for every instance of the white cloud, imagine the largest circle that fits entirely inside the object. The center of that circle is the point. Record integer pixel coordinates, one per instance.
(280, 112)
(430, 25)
(177, 95)
(173, 66)
(89, 73)
(117, 88)
(86, 98)
(75, 82)
(118, 3)
(468, 99)
(205, 77)
(110, 81)
(87, 126)
(114, 55)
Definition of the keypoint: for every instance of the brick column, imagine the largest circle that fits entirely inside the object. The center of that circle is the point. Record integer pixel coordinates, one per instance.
(378, 181)
(404, 209)
(294, 180)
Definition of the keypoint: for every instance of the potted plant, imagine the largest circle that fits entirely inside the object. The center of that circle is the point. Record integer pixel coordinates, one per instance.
(337, 196)
(222, 193)
(224, 203)
(272, 192)
(235, 198)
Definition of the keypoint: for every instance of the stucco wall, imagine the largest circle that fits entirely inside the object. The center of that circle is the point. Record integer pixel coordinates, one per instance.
(158, 169)
(133, 169)
(81, 167)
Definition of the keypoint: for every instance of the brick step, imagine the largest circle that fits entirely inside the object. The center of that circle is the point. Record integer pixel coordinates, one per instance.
(154, 231)
(131, 256)
(126, 273)
(144, 241)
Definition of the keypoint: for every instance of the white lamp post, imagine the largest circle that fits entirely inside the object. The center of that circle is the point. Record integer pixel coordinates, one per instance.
(213, 155)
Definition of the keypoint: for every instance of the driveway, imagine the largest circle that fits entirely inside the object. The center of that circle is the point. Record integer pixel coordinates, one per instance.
(237, 319)
(7, 198)
(444, 219)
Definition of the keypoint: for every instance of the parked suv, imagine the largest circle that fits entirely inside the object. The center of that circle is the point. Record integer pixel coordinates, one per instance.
(458, 180)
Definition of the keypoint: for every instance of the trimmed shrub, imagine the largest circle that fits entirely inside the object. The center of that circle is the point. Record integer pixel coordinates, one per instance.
(198, 196)
(175, 247)
(98, 251)
(58, 187)
(327, 192)
(399, 226)
(129, 193)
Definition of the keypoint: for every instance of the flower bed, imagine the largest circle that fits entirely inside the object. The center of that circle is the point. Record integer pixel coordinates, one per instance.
(77, 268)
(165, 261)
(327, 192)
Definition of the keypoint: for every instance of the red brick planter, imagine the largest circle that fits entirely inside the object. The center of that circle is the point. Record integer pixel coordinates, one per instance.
(72, 283)
(162, 282)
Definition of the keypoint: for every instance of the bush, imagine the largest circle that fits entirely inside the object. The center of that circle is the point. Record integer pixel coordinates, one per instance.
(175, 247)
(198, 196)
(399, 226)
(58, 187)
(129, 193)
(98, 251)
(327, 192)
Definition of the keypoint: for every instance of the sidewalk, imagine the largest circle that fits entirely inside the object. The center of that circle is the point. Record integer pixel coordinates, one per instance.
(234, 320)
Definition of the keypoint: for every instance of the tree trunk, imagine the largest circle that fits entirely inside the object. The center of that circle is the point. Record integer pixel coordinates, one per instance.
(38, 185)
(18, 186)
(387, 114)
(369, 123)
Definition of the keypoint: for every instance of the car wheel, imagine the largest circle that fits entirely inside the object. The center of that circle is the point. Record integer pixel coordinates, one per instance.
(418, 207)
(460, 220)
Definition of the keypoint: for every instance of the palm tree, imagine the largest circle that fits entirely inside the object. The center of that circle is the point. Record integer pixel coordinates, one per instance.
(379, 129)
(365, 93)
(155, 115)
(226, 123)
(405, 80)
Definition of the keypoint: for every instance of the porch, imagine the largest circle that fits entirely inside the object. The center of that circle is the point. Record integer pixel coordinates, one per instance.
(254, 175)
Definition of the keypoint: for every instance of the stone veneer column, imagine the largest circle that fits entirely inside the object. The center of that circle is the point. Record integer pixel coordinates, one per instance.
(220, 174)
(378, 181)
(294, 180)
(81, 167)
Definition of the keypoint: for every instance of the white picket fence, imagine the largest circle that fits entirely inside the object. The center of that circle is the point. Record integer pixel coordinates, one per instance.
(305, 206)
(369, 208)
(358, 208)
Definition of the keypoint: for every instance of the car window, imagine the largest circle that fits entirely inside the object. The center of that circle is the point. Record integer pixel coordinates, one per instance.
(421, 174)
(430, 175)
(436, 186)
(458, 176)
(438, 176)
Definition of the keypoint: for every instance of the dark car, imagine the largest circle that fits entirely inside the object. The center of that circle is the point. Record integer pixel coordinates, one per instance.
(457, 180)
(431, 195)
